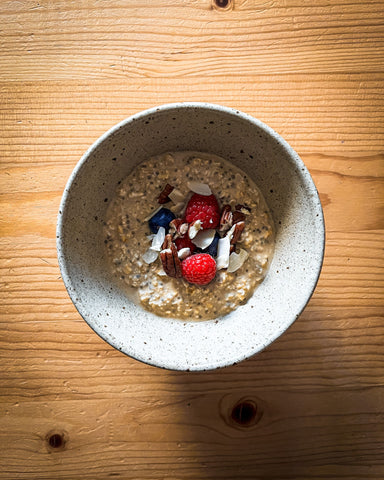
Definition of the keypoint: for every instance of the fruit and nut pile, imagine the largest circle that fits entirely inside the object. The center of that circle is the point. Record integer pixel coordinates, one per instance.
(203, 241)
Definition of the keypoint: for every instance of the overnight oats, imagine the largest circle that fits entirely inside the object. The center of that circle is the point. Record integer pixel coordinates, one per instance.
(189, 235)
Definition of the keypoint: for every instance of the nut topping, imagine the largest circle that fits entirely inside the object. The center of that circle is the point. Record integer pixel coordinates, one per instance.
(171, 262)
(163, 197)
(238, 216)
(177, 228)
(194, 229)
(226, 218)
(184, 253)
(167, 241)
(237, 231)
(243, 208)
(174, 225)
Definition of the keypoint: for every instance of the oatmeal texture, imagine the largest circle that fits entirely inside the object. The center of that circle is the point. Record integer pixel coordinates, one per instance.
(127, 235)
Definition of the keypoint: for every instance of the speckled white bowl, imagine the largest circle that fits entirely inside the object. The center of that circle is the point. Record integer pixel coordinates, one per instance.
(288, 189)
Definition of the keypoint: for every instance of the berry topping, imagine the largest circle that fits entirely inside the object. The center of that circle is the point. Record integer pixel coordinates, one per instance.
(185, 242)
(161, 219)
(199, 268)
(212, 249)
(204, 208)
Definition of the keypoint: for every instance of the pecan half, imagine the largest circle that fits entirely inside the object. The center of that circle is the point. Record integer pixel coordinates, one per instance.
(237, 231)
(238, 216)
(177, 228)
(226, 218)
(163, 197)
(174, 225)
(170, 260)
(167, 241)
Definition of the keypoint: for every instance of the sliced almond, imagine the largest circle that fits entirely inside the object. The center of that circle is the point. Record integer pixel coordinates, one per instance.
(153, 213)
(200, 188)
(184, 253)
(178, 208)
(236, 260)
(158, 239)
(150, 256)
(176, 196)
(204, 238)
(223, 250)
(194, 228)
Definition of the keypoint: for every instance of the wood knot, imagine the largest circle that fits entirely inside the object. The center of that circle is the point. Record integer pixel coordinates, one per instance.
(245, 413)
(222, 4)
(56, 440)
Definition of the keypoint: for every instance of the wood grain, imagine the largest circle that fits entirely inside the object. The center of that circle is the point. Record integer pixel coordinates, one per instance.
(71, 406)
(329, 114)
(188, 38)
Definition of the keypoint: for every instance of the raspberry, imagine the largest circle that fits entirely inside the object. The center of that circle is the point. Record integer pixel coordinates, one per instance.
(185, 243)
(204, 208)
(199, 268)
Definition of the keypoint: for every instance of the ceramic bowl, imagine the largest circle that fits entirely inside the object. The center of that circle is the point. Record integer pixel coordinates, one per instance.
(288, 189)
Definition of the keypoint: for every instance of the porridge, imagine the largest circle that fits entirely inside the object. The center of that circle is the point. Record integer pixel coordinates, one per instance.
(190, 235)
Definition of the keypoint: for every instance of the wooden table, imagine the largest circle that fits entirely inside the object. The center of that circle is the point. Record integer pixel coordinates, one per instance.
(311, 405)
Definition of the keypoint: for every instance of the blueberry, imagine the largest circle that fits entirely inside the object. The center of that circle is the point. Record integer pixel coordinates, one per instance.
(161, 219)
(212, 249)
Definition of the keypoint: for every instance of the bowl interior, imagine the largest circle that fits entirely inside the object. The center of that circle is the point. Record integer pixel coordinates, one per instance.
(288, 189)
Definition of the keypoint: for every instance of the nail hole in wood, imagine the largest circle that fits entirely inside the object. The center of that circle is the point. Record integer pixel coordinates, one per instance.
(222, 4)
(244, 413)
(56, 440)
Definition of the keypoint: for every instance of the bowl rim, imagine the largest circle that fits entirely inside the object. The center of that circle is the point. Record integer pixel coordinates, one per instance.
(209, 107)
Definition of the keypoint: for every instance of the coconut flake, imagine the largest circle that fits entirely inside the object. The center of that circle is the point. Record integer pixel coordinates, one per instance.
(158, 239)
(223, 250)
(184, 253)
(204, 238)
(200, 188)
(230, 232)
(236, 260)
(150, 256)
(178, 208)
(194, 229)
(176, 196)
(153, 213)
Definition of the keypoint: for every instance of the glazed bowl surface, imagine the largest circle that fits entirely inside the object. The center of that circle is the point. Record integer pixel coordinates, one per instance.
(287, 188)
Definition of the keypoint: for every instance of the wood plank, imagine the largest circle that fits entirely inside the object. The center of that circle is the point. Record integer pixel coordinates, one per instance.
(325, 114)
(66, 39)
(133, 438)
